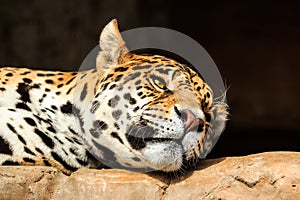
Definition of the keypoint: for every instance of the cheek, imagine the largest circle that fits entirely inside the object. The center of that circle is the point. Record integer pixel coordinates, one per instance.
(164, 119)
(167, 127)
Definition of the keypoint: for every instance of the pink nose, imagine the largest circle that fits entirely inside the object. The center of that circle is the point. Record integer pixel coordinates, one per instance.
(191, 123)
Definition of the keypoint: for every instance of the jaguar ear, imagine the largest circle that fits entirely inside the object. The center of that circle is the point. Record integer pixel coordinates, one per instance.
(112, 46)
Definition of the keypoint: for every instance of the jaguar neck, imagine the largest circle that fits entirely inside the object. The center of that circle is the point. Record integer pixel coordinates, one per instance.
(82, 89)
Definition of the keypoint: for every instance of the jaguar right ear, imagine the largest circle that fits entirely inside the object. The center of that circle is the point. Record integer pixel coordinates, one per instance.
(112, 46)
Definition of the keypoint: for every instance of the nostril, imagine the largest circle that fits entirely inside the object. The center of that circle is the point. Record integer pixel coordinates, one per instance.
(195, 125)
(187, 115)
(177, 111)
(184, 116)
(191, 123)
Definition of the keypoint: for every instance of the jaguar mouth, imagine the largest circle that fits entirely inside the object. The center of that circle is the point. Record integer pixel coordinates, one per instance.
(138, 136)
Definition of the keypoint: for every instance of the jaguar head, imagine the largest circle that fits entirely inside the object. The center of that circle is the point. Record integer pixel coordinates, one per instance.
(149, 112)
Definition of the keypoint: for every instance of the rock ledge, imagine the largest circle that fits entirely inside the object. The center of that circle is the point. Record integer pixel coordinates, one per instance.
(272, 175)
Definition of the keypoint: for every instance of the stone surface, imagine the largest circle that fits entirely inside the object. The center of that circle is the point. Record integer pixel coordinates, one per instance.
(29, 182)
(259, 176)
(110, 184)
(272, 175)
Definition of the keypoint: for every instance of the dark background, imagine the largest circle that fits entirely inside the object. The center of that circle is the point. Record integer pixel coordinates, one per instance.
(255, 44)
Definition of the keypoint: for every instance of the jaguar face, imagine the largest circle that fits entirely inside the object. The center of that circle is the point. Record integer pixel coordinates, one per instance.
(157, 111)
(170, 124)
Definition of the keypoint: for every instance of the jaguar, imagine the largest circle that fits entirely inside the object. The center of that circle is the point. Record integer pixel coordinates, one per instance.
(131, 111)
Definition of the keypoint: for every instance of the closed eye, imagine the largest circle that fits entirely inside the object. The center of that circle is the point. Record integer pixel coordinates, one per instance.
(158, 83)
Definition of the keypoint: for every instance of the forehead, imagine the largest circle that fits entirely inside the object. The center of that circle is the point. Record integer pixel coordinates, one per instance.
(158, 64)
(142, 67)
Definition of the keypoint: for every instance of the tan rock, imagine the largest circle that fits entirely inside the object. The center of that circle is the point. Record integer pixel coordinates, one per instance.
(273, 175)
(110, 184)
(259, 176)
(29, 182)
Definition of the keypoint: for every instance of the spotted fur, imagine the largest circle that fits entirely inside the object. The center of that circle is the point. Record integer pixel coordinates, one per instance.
(131, 111)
